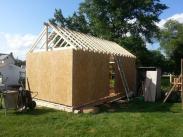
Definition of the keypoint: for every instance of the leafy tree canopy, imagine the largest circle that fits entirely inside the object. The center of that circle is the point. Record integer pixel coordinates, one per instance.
(171, 37)
(127, 22)
(171, 42)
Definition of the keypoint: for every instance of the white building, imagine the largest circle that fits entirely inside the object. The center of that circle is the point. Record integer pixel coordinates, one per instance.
(10, 72)
(6, 59)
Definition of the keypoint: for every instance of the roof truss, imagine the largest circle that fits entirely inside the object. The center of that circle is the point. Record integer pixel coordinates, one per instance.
(53, 37)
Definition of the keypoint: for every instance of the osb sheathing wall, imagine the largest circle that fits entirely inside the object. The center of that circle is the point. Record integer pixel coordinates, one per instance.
(73, 77)
(90, 77)
(129, 66)
(50, 74)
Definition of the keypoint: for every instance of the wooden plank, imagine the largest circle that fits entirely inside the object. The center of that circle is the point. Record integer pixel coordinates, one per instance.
(49, 42)
(173, 87)
(57, 42)
(100, 101)
(87, 38)
(40, 36)
(65, 38)
(169, 93)
(44, 103)
(78, 40)
(46, 37)
(76, 45)
(87, 42)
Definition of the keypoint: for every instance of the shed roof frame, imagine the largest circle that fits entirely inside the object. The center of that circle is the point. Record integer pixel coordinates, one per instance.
(53, 37)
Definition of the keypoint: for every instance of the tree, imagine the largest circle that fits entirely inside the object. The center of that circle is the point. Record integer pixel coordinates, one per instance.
(114, 19)
(171, 42)
(130, 23)
(19, 62)
(75, 22)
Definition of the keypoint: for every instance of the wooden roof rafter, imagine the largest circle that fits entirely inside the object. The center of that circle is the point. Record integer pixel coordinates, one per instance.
(59, 37)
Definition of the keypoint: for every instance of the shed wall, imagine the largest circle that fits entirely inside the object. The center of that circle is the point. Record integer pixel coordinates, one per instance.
(129, 65)
(90, 77)
(73, 77)
(50, 74)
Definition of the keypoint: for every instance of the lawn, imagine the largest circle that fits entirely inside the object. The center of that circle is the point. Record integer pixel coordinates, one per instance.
(138, 119)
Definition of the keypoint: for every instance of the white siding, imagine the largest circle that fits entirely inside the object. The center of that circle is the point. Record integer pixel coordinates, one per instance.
(11, 73)
(7, 60)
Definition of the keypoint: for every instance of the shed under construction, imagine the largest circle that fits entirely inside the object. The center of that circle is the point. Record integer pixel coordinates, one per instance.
(72, 70)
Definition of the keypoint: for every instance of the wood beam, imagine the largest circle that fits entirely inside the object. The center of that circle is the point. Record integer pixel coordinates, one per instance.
(46, 36)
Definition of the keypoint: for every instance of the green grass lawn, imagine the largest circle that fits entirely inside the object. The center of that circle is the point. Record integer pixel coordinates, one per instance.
(139, 119)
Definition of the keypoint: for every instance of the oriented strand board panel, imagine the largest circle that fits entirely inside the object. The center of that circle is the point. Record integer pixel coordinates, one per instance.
(129, 66)
(50, 74)
(90, 76)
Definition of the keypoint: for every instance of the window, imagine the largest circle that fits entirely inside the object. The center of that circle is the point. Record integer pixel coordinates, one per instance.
(1, 61)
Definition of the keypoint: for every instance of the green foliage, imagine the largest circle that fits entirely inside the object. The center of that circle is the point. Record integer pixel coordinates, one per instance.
(19, 62)
(113, 19)
(130, 23)
(171, 42)
(76, 22)
(165, 84)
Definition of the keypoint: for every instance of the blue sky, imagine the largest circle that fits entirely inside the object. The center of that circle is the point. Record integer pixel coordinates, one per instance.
(27, 16)
(22, 20)
(175, 6)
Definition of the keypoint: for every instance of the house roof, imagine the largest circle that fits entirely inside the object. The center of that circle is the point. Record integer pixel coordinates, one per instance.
(3, 56)
(67, 38)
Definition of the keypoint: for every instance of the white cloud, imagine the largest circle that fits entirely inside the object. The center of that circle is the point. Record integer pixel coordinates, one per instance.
(178, 17)
(17, 43)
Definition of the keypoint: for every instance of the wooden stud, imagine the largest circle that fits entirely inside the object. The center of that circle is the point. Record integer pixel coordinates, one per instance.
(46, 36)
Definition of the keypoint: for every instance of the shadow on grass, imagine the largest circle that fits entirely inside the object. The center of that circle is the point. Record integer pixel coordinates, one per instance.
(37, 111)
(141, 106)
(134, 106)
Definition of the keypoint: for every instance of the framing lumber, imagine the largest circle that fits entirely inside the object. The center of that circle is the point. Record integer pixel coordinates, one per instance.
(40, 36)
(46, 37)
(173, 87)
(100, 101)
(78, 41)
(43, 103)
(65, 38)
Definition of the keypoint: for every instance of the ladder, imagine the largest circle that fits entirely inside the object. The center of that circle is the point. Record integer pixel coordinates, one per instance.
(122, 75)
(173, 87)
